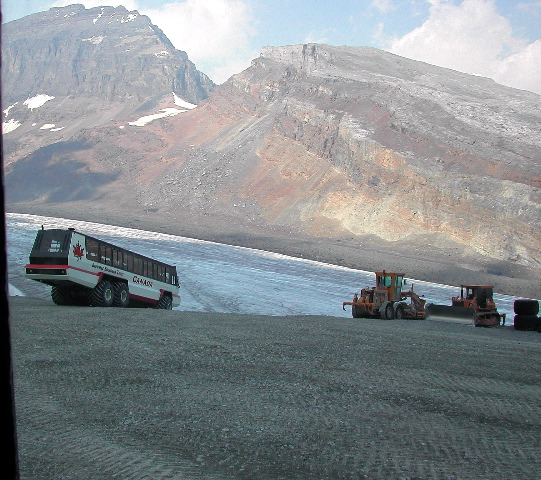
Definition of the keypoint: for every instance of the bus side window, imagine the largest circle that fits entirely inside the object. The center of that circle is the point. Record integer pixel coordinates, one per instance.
(129, 262)
(105, 254)
(137, 265)
(91, 249)
(117, 258)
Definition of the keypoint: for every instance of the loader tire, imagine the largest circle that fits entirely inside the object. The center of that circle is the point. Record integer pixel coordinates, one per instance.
(526, 322)
(525, 306)
(398, 311)
(386, 311)
(357, 311)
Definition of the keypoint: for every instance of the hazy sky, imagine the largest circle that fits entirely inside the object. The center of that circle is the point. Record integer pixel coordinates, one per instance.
(499, 39)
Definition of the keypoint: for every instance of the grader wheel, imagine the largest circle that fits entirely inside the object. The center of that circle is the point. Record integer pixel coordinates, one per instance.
(386, 311)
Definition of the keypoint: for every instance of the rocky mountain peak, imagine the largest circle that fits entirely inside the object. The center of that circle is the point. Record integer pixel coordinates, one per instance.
(107, 52)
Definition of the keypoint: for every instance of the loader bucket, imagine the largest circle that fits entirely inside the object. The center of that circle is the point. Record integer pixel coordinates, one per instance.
(446, 312)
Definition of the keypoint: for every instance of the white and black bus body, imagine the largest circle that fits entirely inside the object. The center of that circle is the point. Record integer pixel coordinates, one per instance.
(83, 270)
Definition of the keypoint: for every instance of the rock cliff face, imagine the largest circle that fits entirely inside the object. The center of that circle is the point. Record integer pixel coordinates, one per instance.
(327, 142)
(357, 141)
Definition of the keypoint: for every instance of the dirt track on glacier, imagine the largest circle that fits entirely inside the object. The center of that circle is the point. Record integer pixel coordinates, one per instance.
(148, 394)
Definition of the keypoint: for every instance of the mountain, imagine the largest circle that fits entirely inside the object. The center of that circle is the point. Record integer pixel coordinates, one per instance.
(70, 69)
(343, 154)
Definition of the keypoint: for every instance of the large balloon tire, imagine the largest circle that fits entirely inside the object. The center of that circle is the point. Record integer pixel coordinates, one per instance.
(165, 303)
(526, 322)
(61, 296)
(121, 297)
(102, 294)
(526, 306)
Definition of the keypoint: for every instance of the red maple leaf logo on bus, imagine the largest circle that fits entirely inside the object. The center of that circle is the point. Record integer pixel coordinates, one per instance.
(78, 251)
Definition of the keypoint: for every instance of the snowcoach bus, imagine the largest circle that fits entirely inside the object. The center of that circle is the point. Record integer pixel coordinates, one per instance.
(83, 270)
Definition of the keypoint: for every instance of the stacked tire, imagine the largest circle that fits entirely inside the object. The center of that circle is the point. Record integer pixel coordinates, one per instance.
(526, 315)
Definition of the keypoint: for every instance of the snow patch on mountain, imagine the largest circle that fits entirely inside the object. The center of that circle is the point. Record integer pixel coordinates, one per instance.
(6, 111)
(182, 103)
(130, 18)
(10, 125)
(37, 101)
(52, 127)
(165, 112)
(95, 40)
(99, 16)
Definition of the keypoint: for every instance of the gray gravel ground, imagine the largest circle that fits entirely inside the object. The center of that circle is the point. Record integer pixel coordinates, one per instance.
(149, 394)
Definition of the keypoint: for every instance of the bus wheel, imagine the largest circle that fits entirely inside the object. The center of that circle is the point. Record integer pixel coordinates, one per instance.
(61, 296)
(165, 303)
(102, 294)
(121, 296)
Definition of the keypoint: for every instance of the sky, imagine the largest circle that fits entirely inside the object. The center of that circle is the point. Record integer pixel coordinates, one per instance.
(499, 39)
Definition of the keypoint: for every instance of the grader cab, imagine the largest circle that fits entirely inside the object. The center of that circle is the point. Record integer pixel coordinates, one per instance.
(387, 300)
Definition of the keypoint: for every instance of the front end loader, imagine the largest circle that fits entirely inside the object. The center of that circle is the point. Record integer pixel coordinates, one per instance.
(387, 300)
(474, 304)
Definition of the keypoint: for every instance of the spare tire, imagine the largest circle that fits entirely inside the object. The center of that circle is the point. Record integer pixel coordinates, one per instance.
(526, 306)
(526, 322)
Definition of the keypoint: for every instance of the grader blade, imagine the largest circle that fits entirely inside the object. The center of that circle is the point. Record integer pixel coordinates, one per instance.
(446, 312)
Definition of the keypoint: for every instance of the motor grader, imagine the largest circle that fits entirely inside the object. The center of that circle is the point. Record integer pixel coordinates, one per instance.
(475, 303)
(387, 300)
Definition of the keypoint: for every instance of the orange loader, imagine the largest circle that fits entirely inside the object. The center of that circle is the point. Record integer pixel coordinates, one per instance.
(387, 300)
(474, 303)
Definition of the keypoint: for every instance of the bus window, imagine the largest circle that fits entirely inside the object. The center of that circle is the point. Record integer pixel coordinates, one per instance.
(128, 257)
(137, 265)
(144, 271)
(117, 258)
(105, 251)
(161, 273)
(52, 241)
(91, 249)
